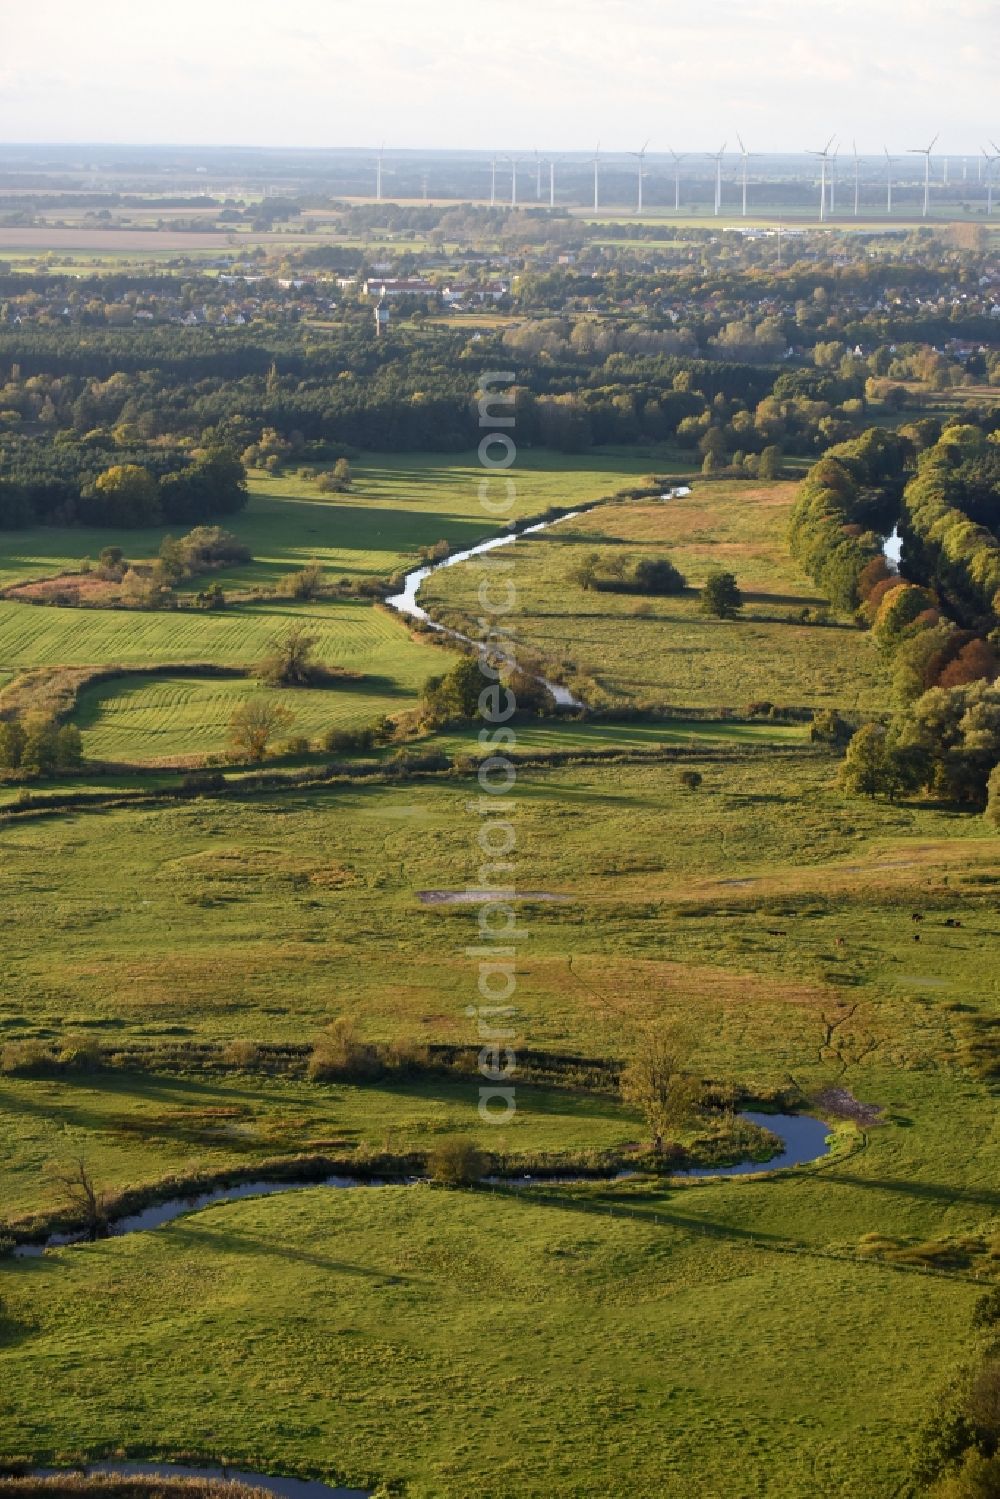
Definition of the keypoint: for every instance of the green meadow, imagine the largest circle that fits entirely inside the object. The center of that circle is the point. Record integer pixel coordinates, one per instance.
(396, 508)
(264, 915)
(647, 650)
(396, 505)
(781, 1336)
(705, 1340)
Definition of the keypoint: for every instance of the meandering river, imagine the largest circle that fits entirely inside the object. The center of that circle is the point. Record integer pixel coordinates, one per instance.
(803, 1139)
(285, 1488)
(405, 602)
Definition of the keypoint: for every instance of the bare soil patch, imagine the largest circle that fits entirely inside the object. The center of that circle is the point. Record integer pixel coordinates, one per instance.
(840, 1103)
(480, 897)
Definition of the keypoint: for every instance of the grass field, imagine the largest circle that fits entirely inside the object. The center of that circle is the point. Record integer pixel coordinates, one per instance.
(263, 917)
(397, 507)
(142, 720)
(489, 1345)
(662, 650)
(727, 1340)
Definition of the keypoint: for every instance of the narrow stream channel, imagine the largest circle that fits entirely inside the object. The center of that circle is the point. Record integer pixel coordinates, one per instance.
(893, 549)
(803, 1139)
(286, 1488)
(405, 602)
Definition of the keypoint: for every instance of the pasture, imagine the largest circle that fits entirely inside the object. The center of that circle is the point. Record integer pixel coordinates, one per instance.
(652, 650)
(262, 916)
(375, 1330)
(396, 507)
(735, 1338)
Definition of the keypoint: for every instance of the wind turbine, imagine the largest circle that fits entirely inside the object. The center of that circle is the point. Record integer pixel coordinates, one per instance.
(552, 180)
(538, 175)
(493, 181)
(378, 173)
(597, 168)
(746, 157)
(641, 158)
(857, 180)
(677, 177)
(717, 156)
(925, 152)
(833, 181)
(515, 162)
(991, 162)
(824, 157)
(889, 163)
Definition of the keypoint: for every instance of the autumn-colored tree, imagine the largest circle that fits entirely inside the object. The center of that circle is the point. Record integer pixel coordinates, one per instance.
(975, 661)
(657, 1082)
(253, 725)
(130, 495)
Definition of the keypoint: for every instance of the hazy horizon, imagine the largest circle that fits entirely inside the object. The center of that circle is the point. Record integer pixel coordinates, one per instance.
(686, 76)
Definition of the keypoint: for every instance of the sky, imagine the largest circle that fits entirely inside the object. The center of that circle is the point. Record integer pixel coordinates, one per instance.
(559, 75)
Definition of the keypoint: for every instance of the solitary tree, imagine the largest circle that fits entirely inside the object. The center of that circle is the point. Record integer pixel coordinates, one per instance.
(656, 1082)
(289, 662)
(79, 1195)
(721, 596)
(584, 574)
(253, 726)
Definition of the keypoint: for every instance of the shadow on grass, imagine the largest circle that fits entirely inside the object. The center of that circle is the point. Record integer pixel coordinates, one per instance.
(922, 1191)
(233, 1241)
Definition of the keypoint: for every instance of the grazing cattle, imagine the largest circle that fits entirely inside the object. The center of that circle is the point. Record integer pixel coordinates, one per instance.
(772, 933)
(916, 916)
(841, 942)
(916, 936)
(952, 922)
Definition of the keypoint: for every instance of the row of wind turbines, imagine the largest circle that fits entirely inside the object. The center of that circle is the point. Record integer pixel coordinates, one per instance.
(827, 158)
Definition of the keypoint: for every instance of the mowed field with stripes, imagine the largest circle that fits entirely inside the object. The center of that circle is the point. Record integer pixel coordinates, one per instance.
(143, 719)
(396, 507)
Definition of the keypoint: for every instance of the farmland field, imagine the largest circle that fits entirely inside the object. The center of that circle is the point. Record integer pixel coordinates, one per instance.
(396, 508)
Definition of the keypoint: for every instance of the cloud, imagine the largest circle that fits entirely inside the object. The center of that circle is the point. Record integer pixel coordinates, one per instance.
(451, 72)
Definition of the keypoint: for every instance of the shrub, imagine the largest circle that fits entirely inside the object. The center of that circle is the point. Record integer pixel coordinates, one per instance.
(456, 1162)
(79, 1051)
(338, 1052)
(658, 575)
(304, 584)
(828, 727)
(689, 779)
(348, 741)
(241, 1054)
(252, 727)
(21, 1058)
